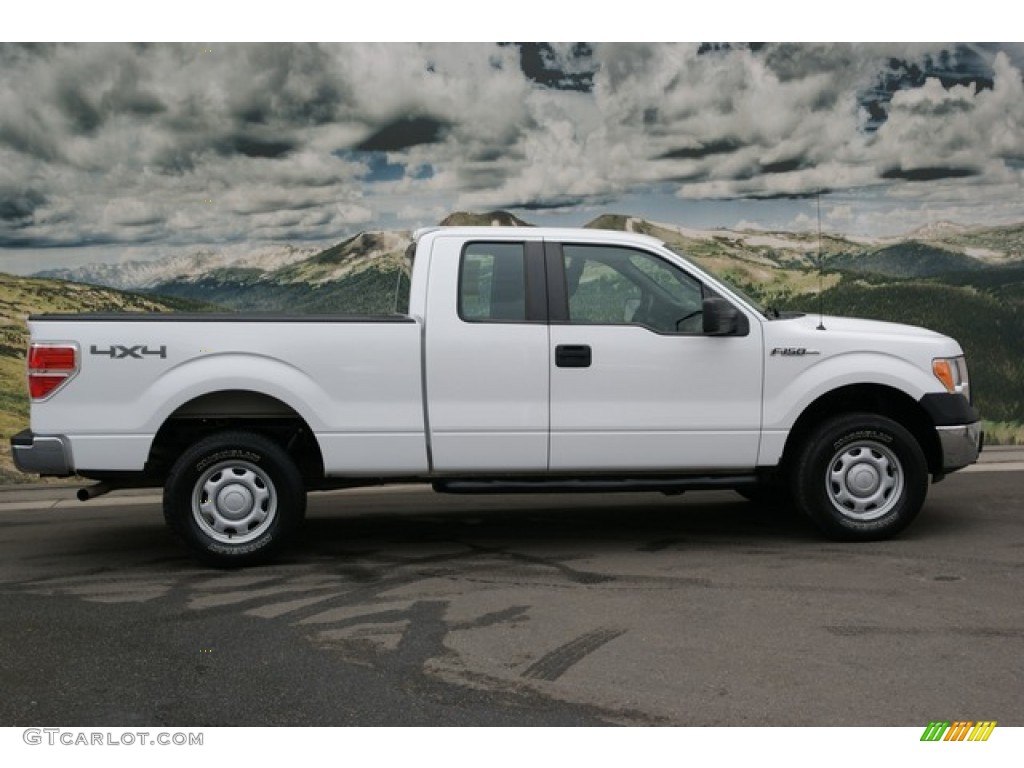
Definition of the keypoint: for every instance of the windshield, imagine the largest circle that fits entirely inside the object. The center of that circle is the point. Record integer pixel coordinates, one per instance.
(768, 313)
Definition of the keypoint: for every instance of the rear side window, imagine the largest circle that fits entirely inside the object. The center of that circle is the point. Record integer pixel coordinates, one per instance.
(492, 283)
(403, 281)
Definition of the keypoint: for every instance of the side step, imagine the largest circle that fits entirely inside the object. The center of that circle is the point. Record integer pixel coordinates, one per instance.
(666, 485)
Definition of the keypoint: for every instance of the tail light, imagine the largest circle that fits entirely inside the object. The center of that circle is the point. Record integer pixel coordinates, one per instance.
(50, 367)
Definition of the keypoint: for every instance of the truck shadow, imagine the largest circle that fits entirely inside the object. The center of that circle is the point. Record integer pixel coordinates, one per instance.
(409, 524)
(628, 522)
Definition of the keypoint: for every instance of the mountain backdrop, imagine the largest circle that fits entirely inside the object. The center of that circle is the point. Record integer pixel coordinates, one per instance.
(22, 296)
(967, 282)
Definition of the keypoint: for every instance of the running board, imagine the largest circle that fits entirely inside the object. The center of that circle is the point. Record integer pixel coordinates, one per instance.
(623, 485)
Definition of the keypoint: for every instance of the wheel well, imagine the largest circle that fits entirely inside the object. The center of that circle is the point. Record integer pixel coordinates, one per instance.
(871, 398)
(236, 410)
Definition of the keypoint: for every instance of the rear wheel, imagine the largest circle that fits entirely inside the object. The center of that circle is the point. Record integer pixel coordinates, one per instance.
(234, 498)
(860, 476)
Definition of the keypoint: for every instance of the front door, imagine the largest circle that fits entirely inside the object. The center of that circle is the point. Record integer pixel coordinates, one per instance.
(635, 383)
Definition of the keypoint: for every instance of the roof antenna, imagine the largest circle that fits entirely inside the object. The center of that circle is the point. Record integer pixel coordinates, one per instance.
(821, 276)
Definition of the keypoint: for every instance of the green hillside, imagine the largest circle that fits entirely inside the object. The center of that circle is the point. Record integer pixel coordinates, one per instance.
(358, 276)
(990, 330)
(488, 219)
(910, 259)
(370, 291)
(613, 221)
(1004, 283)
(20, 297)
(1006, 241)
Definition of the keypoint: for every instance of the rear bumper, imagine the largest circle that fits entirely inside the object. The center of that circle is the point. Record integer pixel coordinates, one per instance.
(41, 454)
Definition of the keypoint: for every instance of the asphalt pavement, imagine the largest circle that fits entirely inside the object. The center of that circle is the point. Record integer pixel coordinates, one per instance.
(402, 607)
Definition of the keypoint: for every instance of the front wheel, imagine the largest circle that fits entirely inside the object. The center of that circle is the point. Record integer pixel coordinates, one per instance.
(860, 477)
(234, 497)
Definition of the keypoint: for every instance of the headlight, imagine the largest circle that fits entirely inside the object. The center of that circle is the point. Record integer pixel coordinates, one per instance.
(952, 372)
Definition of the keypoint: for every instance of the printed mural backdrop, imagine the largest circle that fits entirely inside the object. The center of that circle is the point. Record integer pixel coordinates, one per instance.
(284, 176)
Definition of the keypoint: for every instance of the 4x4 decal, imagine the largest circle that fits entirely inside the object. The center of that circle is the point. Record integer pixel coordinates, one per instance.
(119, 352)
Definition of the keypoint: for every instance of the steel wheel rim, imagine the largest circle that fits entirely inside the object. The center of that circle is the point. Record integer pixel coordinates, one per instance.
(234, 502)
(864, 480)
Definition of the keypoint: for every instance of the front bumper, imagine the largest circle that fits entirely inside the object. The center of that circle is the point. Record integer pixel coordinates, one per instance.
(41, 454)
(958, 426)
(961, 445)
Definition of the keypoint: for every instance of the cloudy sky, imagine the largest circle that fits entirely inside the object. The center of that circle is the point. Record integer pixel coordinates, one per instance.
(115, 152)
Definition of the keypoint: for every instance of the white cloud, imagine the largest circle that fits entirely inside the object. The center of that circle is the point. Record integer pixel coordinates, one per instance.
(353, 213)
(121, 144)
(750, 226)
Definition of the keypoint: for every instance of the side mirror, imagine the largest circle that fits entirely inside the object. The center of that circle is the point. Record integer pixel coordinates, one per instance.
(723, 319)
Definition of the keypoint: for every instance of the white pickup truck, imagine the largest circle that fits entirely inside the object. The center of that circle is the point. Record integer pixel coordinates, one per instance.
(519, 360)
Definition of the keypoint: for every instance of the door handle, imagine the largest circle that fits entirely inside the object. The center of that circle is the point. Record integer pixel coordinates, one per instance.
(573, 356)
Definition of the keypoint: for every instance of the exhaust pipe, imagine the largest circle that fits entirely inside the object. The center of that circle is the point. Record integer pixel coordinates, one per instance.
(92, 491)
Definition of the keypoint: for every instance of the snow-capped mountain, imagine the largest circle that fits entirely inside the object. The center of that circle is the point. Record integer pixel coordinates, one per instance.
(361, 270)
(938, 230)
(143, 275)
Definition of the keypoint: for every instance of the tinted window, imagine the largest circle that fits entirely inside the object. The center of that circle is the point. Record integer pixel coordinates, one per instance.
(492, 282)
(620, 286)
(403, 281)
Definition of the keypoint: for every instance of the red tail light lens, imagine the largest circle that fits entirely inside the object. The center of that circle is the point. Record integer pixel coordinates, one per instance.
(50, 367)
(41, 385)
(52, 358)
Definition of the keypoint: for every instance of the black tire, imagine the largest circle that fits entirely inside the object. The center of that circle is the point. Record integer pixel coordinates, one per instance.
(860, 477)
(234, 497)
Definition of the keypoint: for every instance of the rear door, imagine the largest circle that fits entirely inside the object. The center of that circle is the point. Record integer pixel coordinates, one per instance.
(486, 355)
(635, 383)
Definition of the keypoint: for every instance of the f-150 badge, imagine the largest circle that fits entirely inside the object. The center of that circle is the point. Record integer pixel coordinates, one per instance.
(794, 351)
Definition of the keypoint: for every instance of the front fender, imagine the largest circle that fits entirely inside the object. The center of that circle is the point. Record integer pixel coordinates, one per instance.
(789, 392)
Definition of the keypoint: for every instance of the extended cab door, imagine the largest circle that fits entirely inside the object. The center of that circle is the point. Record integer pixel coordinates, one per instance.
(635, 382)
(486, 354)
